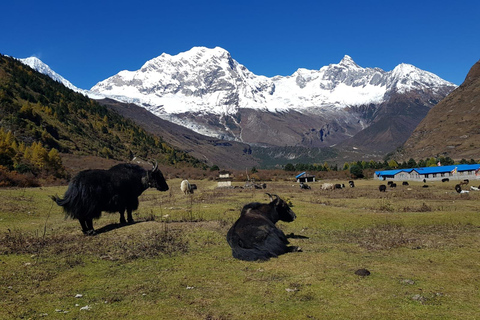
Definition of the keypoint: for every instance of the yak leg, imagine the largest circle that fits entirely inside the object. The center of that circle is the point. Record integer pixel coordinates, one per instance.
(91, 231)
(83, 223)
(122, 217)
(129, 215)
(87, 227)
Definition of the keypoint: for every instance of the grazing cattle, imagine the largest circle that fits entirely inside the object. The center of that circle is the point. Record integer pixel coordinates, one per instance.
(425, 186)
(304, 186)
(254, 235)
(458, 188)
(404, 183)
(351, 183)
(389, 183)
(466, 181)
(474, 188)
(393, 185)
(339, 186)
(382, 188)
(328, 186)
(445, 180)
(186, 187)
(114, 190)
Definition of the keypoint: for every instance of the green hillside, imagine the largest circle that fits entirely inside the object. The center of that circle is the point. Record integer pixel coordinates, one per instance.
(37, 109)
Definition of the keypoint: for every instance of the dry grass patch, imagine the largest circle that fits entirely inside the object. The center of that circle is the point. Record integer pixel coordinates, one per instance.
(392, 235)
(127, 246)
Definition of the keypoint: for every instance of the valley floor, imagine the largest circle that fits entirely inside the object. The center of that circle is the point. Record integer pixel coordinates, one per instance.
(419, 244)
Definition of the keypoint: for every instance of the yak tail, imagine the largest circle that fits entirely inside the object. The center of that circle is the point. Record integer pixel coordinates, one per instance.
(68, 205)
(58, 200)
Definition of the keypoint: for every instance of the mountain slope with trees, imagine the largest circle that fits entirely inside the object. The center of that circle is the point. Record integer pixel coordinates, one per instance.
(37, 112)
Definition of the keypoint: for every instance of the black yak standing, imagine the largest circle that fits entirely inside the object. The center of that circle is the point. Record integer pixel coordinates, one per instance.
(254, 235)
(114, 190)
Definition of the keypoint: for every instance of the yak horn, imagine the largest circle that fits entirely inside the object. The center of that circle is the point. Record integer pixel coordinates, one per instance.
(155, 166)
(271, 197)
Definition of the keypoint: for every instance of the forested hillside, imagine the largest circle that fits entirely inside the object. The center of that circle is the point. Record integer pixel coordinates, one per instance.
(38, 113)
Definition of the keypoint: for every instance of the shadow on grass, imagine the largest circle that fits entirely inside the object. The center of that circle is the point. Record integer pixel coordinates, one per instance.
(114, 226)
(296, 236)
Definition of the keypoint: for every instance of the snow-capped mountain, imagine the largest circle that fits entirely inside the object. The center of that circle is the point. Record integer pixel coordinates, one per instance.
(208, 91)
(38, 65)
(211, 81)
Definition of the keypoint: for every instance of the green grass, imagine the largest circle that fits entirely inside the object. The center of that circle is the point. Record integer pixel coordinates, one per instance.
(420, 245)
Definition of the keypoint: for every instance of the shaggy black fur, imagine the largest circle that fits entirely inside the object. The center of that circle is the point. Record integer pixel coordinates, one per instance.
(254, 235)
(114, 190)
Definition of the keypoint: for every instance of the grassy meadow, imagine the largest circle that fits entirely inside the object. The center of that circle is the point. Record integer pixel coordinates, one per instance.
(421, 246)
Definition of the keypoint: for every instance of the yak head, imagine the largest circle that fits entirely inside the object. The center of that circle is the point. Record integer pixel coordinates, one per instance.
(282, 208)
(155, 179)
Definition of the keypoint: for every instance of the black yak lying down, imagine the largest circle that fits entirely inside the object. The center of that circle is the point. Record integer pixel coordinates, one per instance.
(114, 190)
(254, 235)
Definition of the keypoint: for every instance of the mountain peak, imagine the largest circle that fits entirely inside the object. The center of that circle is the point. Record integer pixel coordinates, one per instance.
(473, 74)
(347, 61)
(403, 69)
(38, 65)
(33, 60)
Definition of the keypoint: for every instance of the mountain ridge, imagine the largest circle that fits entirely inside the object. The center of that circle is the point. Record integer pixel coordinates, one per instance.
(209, 92)
(170, 82)
(451, 127)
(341, 105)
(36, 108)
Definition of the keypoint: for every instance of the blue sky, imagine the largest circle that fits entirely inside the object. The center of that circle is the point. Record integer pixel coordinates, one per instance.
(89, 41)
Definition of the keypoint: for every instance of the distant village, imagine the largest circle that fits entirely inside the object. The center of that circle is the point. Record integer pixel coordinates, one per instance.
(452, 172)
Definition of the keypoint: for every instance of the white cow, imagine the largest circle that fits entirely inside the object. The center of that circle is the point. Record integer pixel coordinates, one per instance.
(186, 187)
(328, 186)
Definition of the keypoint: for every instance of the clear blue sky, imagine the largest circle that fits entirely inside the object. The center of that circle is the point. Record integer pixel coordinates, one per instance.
(89, 41)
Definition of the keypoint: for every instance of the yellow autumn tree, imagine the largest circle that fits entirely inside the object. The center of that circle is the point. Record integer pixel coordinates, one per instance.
(54, 160)
(38, 155)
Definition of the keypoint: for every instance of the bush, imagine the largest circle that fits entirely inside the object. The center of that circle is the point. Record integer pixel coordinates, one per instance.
(356, 171)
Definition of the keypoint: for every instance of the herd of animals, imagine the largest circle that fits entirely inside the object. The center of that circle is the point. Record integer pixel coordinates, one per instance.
(458, 187)
(254, 236)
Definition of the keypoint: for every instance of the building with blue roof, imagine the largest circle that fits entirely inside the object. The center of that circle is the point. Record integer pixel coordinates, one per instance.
(305, 177)
(453, 172)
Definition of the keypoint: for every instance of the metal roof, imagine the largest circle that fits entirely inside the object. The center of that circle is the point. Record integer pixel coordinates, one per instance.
(431, 170)
(301, 174)
(388, 172)
(304, 174)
